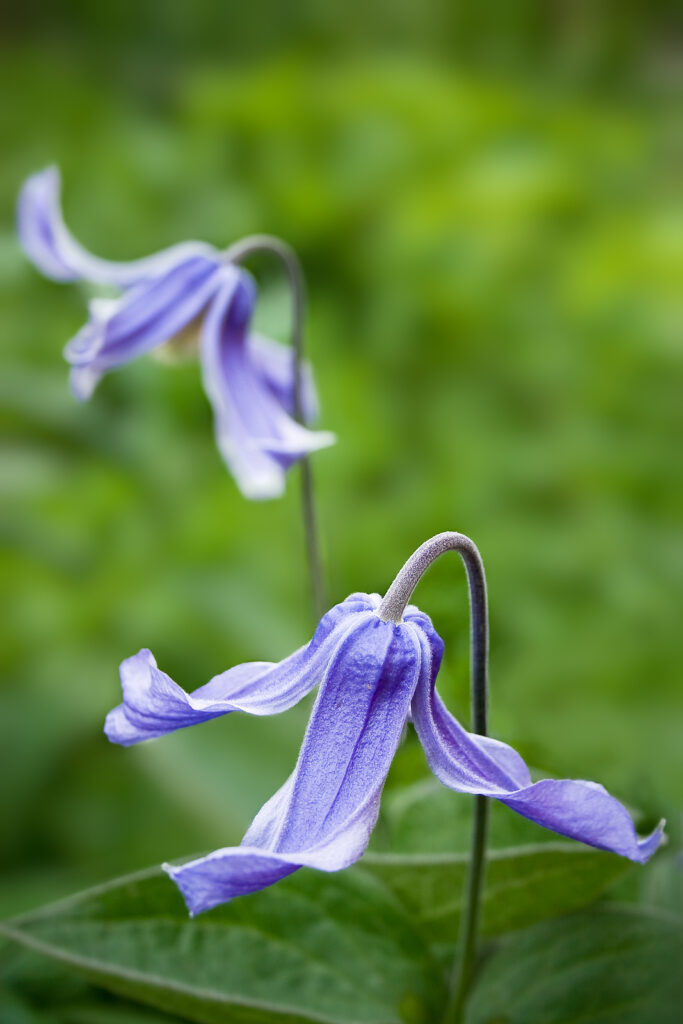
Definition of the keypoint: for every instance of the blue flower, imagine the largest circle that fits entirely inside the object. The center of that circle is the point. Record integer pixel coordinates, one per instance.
(252, 397)
(249, 379)
(374, 677)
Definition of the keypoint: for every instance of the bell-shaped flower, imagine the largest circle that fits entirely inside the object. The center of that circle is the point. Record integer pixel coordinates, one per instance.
(257, 438)
(162, 296)
(374, 677)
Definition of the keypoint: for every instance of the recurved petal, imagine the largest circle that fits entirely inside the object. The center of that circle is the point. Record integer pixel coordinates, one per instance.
(323, 816)
(275, 362)
(221, 876)
(49, 244)
(476, 764)
(83, 380)
(146, 316)
(153, 704)
(584, 811)
(258, 440)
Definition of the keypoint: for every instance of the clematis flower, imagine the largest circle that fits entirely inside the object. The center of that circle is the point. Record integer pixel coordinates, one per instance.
(374, 677)
(256, 436)
(162, 296)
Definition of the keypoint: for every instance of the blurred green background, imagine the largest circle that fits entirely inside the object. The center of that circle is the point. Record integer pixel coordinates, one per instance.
(483, 197)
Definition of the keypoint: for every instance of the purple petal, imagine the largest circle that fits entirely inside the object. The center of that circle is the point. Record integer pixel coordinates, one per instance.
(275, 362)
(584, 811)
(52, 248)
(144, 317)
(225, 874)
(153, 704)
(323, 816)
(258, 440)
(477, 764)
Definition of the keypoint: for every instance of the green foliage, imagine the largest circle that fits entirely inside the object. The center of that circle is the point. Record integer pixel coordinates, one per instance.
(493, 275)
(523, 885)
(326, 948)
(38, 990)
(421, 851)
(339, 948)
(607, 964)
(426, 817)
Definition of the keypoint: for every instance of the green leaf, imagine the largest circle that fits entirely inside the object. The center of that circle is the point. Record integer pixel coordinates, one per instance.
(610, 964)
(36, 990)
(314, 948)
(426, 817)
(524, 883)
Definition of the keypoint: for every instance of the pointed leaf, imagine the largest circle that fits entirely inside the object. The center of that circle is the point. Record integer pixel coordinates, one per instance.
(314, 948)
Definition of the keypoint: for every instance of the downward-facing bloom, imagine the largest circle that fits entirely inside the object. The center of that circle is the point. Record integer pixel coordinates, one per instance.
(374, 677)
(252, 394)
(249, 379)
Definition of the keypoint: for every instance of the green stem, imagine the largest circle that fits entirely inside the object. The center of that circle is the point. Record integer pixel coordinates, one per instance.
(463, 968)
(391, 609)
(235, 254)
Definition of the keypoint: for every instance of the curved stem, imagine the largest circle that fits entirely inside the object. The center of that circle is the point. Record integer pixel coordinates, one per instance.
(391, 609)
(235, 254)
(399, 593)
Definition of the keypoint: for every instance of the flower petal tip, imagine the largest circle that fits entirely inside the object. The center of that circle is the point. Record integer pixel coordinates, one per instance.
(648, 847)
(144, 657)
(118, 729)
(262, 487)
(169, 869)
(193, 906)
(325, 438)
(82, 381)
(40, 226)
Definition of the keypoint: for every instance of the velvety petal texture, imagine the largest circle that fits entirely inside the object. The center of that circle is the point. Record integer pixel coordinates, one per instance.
(323, 815)
(153, 704)
(374, 677)
(476, 764)
(256, 436)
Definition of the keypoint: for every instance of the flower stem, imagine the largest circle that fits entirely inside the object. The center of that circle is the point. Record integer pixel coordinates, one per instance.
(392, 608)
(235, 254)
(463, 968)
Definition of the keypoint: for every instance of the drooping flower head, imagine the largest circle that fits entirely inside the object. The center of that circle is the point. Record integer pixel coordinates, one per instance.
(252, 394)
(374, 675)
(161, 296)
